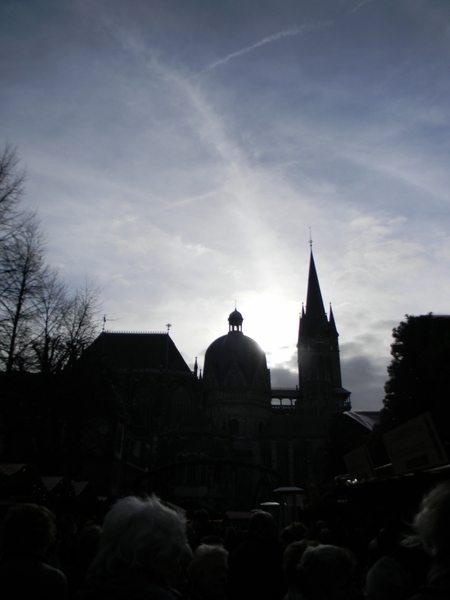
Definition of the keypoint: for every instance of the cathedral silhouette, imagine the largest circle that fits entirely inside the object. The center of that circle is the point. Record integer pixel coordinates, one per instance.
(226, 439)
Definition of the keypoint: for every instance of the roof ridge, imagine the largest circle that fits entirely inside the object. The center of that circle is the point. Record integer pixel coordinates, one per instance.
(138, 332)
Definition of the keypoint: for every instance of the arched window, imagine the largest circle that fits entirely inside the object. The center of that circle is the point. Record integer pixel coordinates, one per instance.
(321, 368)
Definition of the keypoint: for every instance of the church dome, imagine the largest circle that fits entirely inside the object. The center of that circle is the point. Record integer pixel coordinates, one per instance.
(232, 349)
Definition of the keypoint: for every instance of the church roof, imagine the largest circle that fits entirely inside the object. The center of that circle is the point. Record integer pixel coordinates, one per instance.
(141, 352)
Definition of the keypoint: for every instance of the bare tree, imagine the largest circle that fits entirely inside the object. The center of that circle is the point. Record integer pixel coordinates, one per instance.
(82, 320)
(12, 180)
(22, 274)
(64, 325)
(21, 277)
(49, 337)
(43, 327)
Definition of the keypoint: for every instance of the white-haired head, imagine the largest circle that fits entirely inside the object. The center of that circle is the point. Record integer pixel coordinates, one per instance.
(140, 535)
(432, 521)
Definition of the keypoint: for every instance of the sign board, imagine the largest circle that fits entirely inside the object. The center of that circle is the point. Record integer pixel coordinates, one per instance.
(359, 465)
(415, 445)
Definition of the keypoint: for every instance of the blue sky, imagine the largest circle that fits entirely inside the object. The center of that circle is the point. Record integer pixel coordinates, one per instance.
(180, 150)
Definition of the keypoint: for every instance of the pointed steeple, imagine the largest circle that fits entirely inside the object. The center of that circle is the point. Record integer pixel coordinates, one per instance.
(319, 367)
(333, 330)
(315, 316)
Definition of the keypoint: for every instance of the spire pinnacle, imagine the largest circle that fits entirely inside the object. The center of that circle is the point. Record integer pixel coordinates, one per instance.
(196, 367)
(333, 330)
(315, 310)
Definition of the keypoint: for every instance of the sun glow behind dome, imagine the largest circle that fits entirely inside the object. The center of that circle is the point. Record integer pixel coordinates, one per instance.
(273, 323)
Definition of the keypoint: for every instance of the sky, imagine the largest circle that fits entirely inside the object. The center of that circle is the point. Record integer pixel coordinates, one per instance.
(180, 152)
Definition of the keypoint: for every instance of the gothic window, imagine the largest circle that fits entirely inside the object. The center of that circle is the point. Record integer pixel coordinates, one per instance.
(283, 461)
(181, 405)
(321, 368)
(143, 403)
(329, 378)
(119, 440)
(300, 462)
(266, 454)
(234, 378)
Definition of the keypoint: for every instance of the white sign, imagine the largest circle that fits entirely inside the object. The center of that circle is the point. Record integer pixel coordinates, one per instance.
(415, 445)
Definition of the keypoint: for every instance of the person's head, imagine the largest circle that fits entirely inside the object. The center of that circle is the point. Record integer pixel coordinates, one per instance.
(262, 525)
(325, 535)
(27, 528)
(208, 570)
(291, 559)
(88, 543)
(388, 580)
(201, 517)
(141, 535)
(326, 572)
(292, 533)
(432, 521)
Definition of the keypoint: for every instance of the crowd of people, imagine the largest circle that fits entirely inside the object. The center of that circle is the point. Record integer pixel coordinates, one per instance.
(146, 550)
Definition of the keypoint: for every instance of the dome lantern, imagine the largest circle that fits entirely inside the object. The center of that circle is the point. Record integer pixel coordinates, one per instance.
(235, 321)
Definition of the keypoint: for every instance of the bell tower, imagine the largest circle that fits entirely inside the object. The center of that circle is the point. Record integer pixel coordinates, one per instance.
(319, 366)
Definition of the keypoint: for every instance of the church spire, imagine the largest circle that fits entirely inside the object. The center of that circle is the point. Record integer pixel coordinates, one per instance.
(315, 316)
(319, 367)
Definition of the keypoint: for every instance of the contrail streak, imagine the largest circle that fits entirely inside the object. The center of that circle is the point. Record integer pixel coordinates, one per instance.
(271, 38)
(360, 5)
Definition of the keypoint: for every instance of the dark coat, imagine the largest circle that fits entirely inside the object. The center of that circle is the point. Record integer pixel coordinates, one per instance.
(29, 576)
(438, 583)
(255, 570)
(129, 586)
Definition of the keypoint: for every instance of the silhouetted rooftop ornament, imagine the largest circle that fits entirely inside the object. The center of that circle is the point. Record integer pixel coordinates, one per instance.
(235, 321)
(104, 322)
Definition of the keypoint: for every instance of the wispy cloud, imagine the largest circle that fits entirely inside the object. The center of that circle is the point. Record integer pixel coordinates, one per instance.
(182, 193)
(358, 6)
(271, 38)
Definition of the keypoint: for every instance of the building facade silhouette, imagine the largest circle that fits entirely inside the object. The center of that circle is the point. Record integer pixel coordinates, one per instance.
(226, 439)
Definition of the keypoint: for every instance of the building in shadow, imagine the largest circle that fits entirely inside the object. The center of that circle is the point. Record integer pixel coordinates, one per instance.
(228, 438)
(133, 417)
